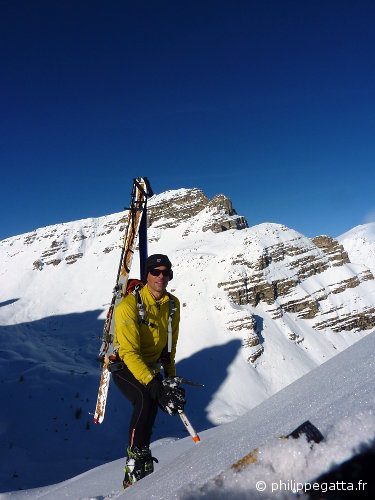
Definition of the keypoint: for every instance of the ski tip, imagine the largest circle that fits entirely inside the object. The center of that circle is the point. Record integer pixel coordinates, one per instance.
(196, 439)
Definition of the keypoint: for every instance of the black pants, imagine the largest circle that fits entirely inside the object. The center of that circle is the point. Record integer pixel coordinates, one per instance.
(144, 408)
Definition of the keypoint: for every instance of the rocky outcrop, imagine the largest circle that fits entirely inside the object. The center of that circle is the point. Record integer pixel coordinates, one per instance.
(285, 277)
(54, 254)
(170, 211)
(224, 217)
(332, 248)
(246, 323)
(364, 320)
(71, 259)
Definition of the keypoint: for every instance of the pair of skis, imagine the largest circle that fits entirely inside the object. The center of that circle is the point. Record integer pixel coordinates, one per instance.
(136, 224)
(136, 227)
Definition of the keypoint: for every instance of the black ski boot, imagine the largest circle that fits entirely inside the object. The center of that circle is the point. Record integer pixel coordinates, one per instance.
(140, 463)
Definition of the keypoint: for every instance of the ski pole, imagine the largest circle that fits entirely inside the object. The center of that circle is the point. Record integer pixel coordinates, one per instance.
(189, 427)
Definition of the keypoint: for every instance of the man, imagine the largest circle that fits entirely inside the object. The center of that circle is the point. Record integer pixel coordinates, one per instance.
(141, 336)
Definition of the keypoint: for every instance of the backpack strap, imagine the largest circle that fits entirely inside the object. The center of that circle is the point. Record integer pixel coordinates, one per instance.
(172, 310)
(141, 307)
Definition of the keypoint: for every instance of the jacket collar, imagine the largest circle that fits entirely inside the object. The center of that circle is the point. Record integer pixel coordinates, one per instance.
(151, 298)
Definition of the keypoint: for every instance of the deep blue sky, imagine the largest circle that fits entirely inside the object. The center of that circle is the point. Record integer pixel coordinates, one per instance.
(271, 102)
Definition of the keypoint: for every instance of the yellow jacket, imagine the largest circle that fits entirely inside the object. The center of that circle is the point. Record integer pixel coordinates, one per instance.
(141, 345)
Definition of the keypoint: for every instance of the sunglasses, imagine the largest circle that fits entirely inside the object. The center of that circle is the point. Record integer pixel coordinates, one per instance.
(156, 272)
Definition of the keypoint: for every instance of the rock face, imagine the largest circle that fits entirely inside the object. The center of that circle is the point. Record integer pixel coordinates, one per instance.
(307, 278)
(173, 208)
(332, 248)
(223, 215)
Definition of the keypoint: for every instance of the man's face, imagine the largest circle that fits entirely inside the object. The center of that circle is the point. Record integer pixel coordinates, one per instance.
(157, 284)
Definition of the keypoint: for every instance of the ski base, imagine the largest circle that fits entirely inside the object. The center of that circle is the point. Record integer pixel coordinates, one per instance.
(103, 393)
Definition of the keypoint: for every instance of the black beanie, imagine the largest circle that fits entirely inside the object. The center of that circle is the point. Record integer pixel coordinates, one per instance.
(157, 260)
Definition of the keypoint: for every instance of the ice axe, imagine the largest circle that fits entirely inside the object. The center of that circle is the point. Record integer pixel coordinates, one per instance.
(189, 427)
(174, 382)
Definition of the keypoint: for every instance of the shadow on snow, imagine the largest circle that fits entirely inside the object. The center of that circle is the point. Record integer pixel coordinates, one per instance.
(49, 380)
(8, 302)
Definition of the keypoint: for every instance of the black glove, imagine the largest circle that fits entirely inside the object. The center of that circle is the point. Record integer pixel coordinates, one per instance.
(170, 399)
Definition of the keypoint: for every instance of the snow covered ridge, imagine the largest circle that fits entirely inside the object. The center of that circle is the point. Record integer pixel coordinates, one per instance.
(260, 307)
(360, 244)
(68, 242)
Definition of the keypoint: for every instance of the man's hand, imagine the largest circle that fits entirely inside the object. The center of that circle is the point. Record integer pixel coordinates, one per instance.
(170, 399)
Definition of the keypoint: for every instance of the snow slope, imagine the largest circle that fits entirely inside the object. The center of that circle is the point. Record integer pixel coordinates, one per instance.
(338, 397)
(359, 242)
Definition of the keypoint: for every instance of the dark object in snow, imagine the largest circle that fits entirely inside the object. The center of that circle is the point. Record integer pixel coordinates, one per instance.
(306, 429)
(309, 430)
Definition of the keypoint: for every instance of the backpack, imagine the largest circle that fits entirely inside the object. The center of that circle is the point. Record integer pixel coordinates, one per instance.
(133, 284)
